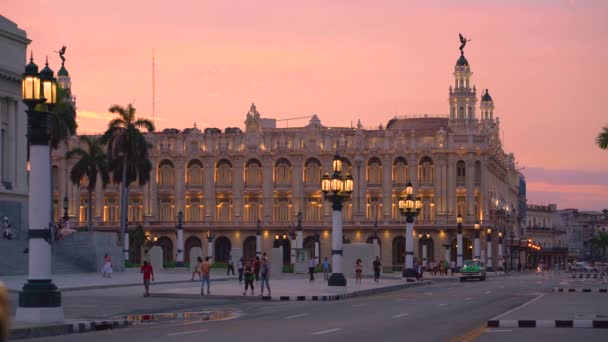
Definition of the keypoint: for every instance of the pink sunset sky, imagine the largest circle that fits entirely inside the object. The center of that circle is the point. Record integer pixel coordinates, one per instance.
(544, 61)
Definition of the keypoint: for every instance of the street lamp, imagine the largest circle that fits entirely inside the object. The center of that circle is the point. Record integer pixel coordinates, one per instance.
(476, 242)
(180, 240)
(39, 300)
(500, 253)
(459, 243)
(410, 208)
(210, 238)
(337, 189)
(490, 266)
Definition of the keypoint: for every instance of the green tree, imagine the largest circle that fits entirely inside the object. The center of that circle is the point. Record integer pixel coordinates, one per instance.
(602, 139)
(92, 162)
(600, 242)
(63, 119)
(128, 153)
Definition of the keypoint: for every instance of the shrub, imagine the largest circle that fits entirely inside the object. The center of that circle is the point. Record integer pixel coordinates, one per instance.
(130, 264)
(287, 269)
(219, 265)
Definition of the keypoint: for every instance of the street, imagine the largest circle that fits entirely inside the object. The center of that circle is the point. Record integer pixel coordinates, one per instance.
(444, 311)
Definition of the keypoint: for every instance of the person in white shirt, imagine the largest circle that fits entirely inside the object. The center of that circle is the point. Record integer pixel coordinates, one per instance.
(311, 268)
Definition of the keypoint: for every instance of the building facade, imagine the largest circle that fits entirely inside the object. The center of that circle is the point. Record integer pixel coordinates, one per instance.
(224, 182)
(580, 227)
(552, 239)
(13, 127)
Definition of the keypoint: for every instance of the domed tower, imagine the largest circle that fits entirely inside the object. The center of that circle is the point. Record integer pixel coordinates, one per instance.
(487, 108)
(463, 98)
(64, 81)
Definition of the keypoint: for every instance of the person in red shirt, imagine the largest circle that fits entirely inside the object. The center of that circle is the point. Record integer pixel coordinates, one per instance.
(148, 273)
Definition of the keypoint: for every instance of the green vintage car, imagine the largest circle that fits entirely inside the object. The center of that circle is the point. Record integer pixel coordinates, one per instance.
(473, 269)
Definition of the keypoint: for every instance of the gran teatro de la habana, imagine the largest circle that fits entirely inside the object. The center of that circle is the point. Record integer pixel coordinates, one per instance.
(234, 183)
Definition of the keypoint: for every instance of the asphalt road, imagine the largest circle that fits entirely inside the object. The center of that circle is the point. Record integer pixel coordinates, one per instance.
(445, 311)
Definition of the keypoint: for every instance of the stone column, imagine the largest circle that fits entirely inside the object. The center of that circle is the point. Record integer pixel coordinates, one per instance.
(238, 190)
(258, 240)
(409, 249)
(180, 240)
(470, 199)
(476, 248)
(268, 186)
(490, 264)
(459, 247)
(387, 188)
(500, 253)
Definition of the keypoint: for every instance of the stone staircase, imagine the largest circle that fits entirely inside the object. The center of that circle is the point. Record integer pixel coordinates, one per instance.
(14, 262)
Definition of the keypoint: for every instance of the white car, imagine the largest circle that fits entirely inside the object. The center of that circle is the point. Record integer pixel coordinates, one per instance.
(581, 267)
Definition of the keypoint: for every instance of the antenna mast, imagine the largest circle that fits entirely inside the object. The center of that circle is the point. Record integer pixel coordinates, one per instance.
(153, 91)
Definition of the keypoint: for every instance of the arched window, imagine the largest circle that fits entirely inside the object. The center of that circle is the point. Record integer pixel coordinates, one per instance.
(460, 173)
(398, 251)
(282, 172)
(223, 172)
(165, 172)
(312, 209)
(477, 173)
(374, 171)
(136, 209)
(312, 171)
(194, 173)
(166, 210)
(194, 209)
(253, 172)
(190, 243)
(253, 208)
(309, 245)
(224, 209)
(400, 176)
(426, 171)
(222, 249)
(467, 250)
(110, 210)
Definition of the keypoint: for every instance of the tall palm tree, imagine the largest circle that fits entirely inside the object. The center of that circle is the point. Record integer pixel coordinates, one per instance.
(63, 118)
(602, 139)
(128, 154)
(91, 163)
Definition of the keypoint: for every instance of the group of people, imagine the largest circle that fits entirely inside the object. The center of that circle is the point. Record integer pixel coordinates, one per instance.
(62, 229)
(254, 269)
(7, 231)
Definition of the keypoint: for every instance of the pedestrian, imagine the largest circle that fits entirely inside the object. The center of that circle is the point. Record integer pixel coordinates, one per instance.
(197, 269)
(377, 264)
(148, 274)
(249, 276)
(311, 268)
(556, 269)
(441, 267)
(240, 269)
(7, 232)
(205, 276)
(265, 276)
(519, 267)
(452, 266)
(325, 269)
(358, 271)
(446, 265)
(256, 268)
(434, 267)
(230, 265)
(107, 266)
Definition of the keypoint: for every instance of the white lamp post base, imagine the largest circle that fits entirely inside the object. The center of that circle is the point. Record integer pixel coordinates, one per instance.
(39, 315)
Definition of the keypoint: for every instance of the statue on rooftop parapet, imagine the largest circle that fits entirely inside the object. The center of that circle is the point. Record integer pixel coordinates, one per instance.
(61, 52)
(463, 42)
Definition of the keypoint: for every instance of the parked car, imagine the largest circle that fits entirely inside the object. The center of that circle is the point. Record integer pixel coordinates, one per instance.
(473, 269)
(581, 266)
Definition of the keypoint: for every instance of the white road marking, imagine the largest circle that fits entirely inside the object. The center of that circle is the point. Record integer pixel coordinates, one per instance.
(499, 330)
(356, 305)
(296, 316)
(326, 331)
(487, 292)
(519, 307)
(400, 315)
(502, 287)
(187, 332)
(440, 305)
(428, 293)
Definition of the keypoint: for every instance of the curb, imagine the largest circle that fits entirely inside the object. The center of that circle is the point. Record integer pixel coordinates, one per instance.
(301, 298)
(584, 323)
(586, 275)
(560, 289)
(65, 328)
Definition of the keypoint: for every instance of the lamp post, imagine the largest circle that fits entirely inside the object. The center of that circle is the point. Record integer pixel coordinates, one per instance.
(500, 253)
(66, 217)
(292, 236)
(210, 238)
(317, 247)
(490, 265)
(39, 300)
(337, 189)
(299, 231)
(424, 239)
(477, 250)
(258, 239)
(459, 244)
(180, 240)
(409, 208)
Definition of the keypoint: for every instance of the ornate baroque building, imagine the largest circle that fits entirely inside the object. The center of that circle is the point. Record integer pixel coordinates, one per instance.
(224, 182)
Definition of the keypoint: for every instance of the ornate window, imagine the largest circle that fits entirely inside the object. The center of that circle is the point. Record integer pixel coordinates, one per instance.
(312, 209)
(426, 171)
(253, 209)
(374, 207)
(224, 209)
(166, 210)
(312, 172)
(282, 172)
(194, 209)
(194, 173)
(223, 172)
(427, 213)
(253, 172)
(347, 210)
(165, 173)
(374, 171)
(135, 210)
(111, 210)
(282, 209)
(460, 173)
(400, 171)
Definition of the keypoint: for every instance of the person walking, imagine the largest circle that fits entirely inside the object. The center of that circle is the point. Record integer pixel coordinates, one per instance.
(249, 276)
(148, 274)
(205, 276)
(265, 276)
(107, 266)
(256, 268)
(239, 266)
(197, 269)
(358, 271)
(377, 264)
(325, 269)
(441, 267)
(230, 265)
(452, 267)
(311, 268)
